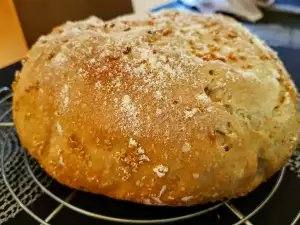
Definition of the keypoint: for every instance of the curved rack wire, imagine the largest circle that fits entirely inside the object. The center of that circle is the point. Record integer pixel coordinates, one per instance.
(296, 219)
(64, 203)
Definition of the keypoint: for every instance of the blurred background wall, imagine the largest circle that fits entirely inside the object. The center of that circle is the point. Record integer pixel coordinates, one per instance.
(40, 16)
(12, 42)
(23, 21)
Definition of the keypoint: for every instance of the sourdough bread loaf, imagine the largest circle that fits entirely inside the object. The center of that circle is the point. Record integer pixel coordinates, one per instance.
(174, 108)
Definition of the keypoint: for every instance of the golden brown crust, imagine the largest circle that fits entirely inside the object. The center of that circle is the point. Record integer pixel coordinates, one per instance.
(174, 109)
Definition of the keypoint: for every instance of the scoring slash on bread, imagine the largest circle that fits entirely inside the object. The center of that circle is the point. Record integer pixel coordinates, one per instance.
(174, 108)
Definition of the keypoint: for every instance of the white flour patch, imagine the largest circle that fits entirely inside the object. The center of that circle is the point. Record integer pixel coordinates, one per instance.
(248, 75)
(202, 98)
(131, 114)
(59, 59)
(140, 151)
(163, 189)
(157, 200)
(92, 60)
(98, 85)
(127, 102)
(59, 128)
(209, 109)
(186, 147)
(137, 183)
(61, 161)
(196, 175)
(158, 96)
(190, 113)
(132, 143)
(140, 69)
(287, 99)
(64, 93)
(160, 170)
(144, 158)
(158, 112)
(187, 198)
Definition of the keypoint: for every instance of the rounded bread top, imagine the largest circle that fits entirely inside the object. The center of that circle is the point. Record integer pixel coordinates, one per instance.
(174, 108)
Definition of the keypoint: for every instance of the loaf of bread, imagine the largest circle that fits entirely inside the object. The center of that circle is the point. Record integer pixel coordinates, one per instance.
(174, 108)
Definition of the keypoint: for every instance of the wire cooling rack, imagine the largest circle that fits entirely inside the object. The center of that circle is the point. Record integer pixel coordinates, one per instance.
(10, 148)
